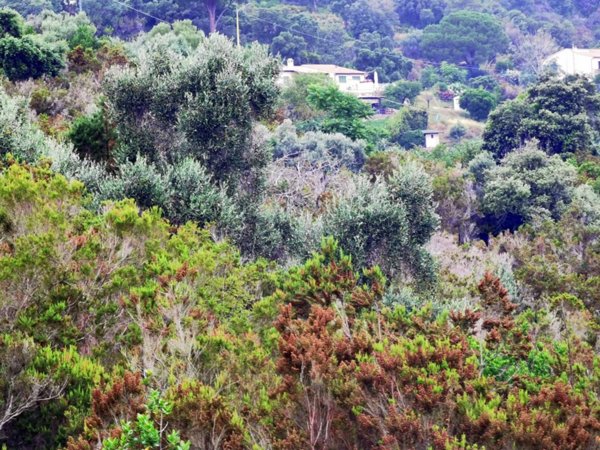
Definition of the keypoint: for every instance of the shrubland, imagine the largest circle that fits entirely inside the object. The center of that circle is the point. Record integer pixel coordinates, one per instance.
(245, 354)
(193, 257)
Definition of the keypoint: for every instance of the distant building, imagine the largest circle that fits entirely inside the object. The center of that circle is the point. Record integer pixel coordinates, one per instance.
(348, 80)
(576, 61)
(456, 103)
(432, 138)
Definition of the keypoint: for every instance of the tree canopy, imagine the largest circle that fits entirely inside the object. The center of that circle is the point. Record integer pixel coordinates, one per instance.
(560, 114)
(344, 112)
(464, 37)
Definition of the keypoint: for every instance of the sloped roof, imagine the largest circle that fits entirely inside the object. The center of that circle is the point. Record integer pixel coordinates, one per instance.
(330, 69)
(591, 52)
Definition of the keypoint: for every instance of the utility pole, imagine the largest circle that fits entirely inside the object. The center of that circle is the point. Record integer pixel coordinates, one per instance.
(237, 23)
(80, 6)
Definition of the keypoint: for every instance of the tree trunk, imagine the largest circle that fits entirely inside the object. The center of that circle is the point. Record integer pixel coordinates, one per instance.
(211, 6)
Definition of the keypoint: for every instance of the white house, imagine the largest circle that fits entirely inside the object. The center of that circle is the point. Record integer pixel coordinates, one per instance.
(576, 61)
(348, 80)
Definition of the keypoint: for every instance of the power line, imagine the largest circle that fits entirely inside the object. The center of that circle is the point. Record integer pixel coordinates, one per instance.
(294, 31)
(141, 12)
(288, 29)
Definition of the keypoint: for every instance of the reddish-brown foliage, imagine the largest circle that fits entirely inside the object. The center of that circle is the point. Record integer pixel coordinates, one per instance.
(123, 400)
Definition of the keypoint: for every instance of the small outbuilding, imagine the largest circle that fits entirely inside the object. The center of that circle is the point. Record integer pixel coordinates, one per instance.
(456, 103)
(432, 138)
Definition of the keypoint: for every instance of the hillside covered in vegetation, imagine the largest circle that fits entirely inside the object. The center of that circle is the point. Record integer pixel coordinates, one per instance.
(194, 255)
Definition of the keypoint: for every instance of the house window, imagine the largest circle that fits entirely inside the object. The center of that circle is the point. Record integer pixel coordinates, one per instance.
(343, 78)
(598, 65)
(355, 78)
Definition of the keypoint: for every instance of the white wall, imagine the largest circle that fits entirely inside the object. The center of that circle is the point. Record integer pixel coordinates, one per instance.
(572, 62)
(351, 83)
(432, 140)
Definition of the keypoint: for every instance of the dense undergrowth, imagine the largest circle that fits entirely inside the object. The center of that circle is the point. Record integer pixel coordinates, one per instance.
(101, 312)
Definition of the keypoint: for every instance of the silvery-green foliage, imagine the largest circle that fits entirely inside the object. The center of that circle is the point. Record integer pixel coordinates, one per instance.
(530, 184)
(67, 162)
(586, 205)
(330, 151)
(57, 29)
(507, 277)
(193, 197)
(411, 187)
(182, 37)
(202, 105)
(402, 297)
(248, 189)
(372, 227)
(20, 137)
(481, 163)
(387, 225)
(139, 180)
(368, 225)
(17, 134)
(272, 233)
(408, 298)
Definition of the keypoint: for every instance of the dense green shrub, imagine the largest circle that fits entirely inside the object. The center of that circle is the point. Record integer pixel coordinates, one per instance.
(403, 90)
(528, 186)
(486, 82)
(380, 220)
(11, 23)
(295, 96)
(478, 102)
(407, 126)
(429, 77)
(451, 73)
(92, 136)
(376, 52)
(318, 149)
(344, 113)
(560, 113)
(85, 37)
(193, 197)
(139, 180)
(23, 58)
(204, 108)
(458, 131)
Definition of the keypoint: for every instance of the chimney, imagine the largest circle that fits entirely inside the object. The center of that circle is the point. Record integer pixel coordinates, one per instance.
(290, 62)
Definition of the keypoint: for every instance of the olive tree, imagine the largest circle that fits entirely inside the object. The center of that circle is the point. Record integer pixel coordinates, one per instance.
(528, 186)
(203, 105)
(387, 223)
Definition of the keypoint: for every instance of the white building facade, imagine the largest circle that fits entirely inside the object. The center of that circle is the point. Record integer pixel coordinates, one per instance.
(348, 80)
(576, 61)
